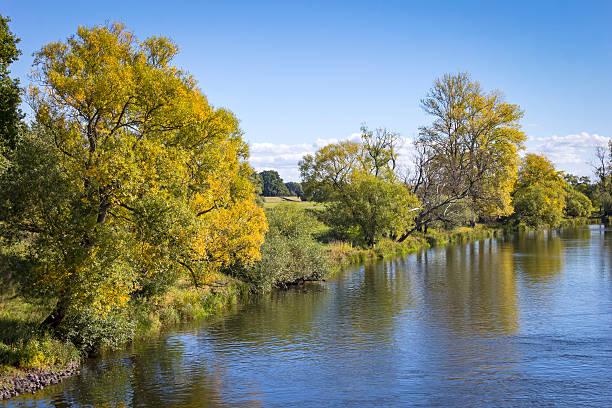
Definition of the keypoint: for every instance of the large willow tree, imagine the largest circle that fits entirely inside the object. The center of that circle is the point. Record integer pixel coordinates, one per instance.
(129, 177)
(467, 158)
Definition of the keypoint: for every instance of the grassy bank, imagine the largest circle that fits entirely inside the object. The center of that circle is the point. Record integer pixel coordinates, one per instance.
(27, 351)
(343, 254)
(183, 303)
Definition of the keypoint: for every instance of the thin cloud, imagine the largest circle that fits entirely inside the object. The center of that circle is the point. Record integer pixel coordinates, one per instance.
(571, 153)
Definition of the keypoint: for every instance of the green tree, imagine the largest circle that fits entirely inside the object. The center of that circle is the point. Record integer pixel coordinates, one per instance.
(576, 203)
(128, 178)
(468, 156)
(295, 189)
(10, 115)
(273, 185)
(602, 194)
(258, 183)
(540, 192)
(358, 183)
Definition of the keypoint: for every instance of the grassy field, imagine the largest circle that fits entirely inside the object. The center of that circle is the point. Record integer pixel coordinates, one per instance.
(271, 202)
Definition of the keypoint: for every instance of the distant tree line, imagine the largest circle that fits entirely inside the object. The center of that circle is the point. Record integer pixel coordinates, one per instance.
(270, 184)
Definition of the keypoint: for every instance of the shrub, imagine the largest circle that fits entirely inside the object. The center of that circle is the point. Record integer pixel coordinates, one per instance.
(38, 352)
(289, 253)
(90, 330)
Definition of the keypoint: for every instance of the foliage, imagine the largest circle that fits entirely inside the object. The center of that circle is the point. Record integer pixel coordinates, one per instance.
(38, 353)
(273, 185)
(468, 156)
(602, 194)
(289, 254)
(23, 343)
(539, 195)
(257, 182)
(128, 176)
(295, 189)
(372, 208)
(10, 115)
(577, 204)
(357, 180)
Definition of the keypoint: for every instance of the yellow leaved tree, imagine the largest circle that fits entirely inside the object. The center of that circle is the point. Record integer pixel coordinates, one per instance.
(137, 178)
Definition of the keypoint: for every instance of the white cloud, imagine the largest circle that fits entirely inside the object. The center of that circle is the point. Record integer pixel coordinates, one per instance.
(571, 153)
(284, 158)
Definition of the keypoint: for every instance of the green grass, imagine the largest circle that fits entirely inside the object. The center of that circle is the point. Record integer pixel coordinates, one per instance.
(343, 254)
(305, 205)
(23, 345)
(183, 302)
(281, 199)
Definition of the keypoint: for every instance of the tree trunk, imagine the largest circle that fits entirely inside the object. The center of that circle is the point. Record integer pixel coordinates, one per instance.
(57, 315)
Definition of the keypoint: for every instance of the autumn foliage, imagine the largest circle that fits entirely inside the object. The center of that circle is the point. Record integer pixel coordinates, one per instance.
(129, 179)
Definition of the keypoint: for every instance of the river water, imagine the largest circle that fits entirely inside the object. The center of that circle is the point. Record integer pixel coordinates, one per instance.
(524, 320)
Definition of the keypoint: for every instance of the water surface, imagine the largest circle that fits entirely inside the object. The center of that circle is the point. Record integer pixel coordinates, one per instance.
(518, 321)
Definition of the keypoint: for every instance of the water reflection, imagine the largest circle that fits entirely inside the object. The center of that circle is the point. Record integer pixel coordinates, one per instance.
(471, 288)
(539, 255)
(521, 320)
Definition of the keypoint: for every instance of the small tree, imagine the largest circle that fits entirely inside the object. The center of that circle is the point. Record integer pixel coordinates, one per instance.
(358, 183)
(289, 254)
(603, 173)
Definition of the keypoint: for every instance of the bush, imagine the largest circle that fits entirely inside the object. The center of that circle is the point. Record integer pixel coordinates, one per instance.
(90, 330)
(289, 253)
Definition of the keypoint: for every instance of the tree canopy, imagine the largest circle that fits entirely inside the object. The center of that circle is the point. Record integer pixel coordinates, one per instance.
(540, 192)
(468, 156)
(358, 182)
(273, 185)
(128, 177)
(295, 189)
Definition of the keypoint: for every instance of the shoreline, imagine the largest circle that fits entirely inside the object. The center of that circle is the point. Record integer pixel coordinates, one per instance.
(340, 255)
(32, 380)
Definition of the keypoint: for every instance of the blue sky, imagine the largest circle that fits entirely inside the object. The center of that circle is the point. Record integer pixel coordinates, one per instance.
(299, 75)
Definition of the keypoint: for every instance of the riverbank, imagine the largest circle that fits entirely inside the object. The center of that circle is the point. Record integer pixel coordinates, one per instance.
(30, 360)
(33, 380)
(342, 254)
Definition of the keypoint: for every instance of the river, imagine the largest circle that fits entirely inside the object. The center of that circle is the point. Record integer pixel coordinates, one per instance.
(524, 320)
